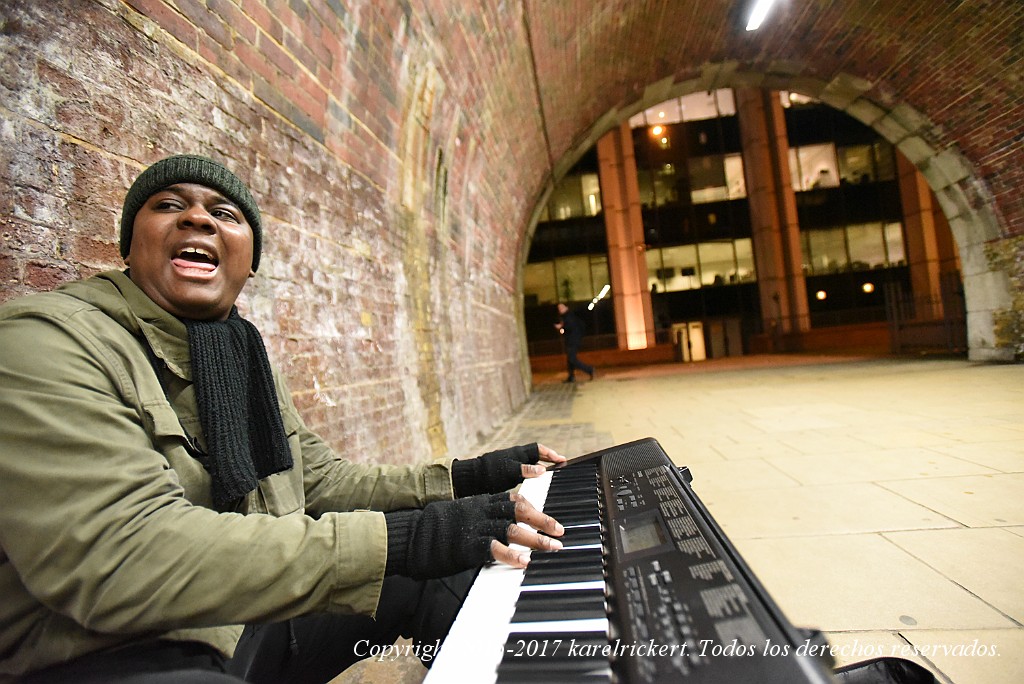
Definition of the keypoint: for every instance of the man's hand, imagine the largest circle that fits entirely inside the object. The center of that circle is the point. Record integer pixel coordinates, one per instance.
(546, 454)
(446, 537)
(501, 470)
(525, 534)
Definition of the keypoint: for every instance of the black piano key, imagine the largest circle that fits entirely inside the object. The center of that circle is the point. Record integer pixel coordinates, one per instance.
(580, 491)
(567, 564)
(569, 489)
(575, 512)
(564, 556)
(562, 604)
(567, 519)
(564, 577)
(574, 501)
(582, 573)
(561, 487)
(576, 494)
(580, 536)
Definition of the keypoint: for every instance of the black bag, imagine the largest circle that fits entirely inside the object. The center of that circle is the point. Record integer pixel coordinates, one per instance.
(884, 671)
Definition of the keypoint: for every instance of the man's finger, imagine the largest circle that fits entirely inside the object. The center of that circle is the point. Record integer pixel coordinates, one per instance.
(524, 536)
(533, 470)
(550, 455)
(526, 513)
(503, 554)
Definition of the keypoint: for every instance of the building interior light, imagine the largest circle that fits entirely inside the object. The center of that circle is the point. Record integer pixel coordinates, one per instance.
(758, 14)
(657, 130)
(868, 287)
(821, 295)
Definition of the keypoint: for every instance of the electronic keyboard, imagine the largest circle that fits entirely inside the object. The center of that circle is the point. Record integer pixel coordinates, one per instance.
(647, 588)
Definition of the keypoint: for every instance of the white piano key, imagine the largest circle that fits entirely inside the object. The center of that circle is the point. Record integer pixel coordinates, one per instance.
(575, 586)
(586, 546)
(535, 489)
(560, 626)
(478, 635)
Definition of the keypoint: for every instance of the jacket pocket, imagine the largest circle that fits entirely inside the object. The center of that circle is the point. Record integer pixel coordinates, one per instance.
(283, 493)
(183, 456)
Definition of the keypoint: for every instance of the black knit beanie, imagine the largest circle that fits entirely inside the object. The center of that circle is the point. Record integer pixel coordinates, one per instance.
(189, 168)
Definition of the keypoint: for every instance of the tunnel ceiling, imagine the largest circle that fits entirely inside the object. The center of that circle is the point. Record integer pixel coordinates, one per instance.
(957, 65)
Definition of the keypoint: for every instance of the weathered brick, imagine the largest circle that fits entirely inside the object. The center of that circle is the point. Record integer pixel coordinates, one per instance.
(320, 106)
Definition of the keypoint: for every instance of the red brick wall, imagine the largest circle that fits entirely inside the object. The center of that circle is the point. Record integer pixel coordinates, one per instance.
(388, 289)
(396, 328)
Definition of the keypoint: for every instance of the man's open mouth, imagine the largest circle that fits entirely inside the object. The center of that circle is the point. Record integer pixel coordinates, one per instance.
(195, 258)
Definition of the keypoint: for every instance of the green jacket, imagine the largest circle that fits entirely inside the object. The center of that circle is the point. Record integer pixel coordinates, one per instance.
(107, 533)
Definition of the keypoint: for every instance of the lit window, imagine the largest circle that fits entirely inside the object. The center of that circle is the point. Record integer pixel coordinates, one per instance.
(813, 166)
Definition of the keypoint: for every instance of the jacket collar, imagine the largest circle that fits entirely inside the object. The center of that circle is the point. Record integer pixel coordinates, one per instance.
(114, 293)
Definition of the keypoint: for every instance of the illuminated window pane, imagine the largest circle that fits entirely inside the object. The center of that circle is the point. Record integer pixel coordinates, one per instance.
(699, 106)
(814, 166)
(894, 244)
(745, 271)
(734, 176)
(692, 107)
(856, 164)
(665, 113)
(867, 246)
(707, 179)
(726, 102)
(566, 200)
(680, 264)
(539, 281)
(794, 170)
(599, 272)
(805, 253)
(656, 275)
(591, 194)
(717, 263)
(573, 277)
(827, 250)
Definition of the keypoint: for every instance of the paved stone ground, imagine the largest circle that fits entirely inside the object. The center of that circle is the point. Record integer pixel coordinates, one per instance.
(878, 499)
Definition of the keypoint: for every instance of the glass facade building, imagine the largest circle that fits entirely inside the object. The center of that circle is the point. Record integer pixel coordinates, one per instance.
(697, 230)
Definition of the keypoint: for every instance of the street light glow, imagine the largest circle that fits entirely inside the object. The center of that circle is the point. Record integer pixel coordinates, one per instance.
(758, 14)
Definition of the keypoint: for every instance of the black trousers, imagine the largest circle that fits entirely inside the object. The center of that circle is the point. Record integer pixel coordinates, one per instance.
(312, 649)
(574, 362)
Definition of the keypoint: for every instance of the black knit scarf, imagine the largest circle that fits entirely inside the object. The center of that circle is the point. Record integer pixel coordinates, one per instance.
(238, 406)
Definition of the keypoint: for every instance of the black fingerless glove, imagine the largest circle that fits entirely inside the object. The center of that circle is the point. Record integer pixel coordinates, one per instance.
(447, 537)
(494, 472)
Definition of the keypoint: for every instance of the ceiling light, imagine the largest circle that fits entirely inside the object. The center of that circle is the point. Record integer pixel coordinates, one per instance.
(758, 14)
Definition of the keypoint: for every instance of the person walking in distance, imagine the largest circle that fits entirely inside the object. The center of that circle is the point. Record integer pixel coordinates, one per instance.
(572, 328)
